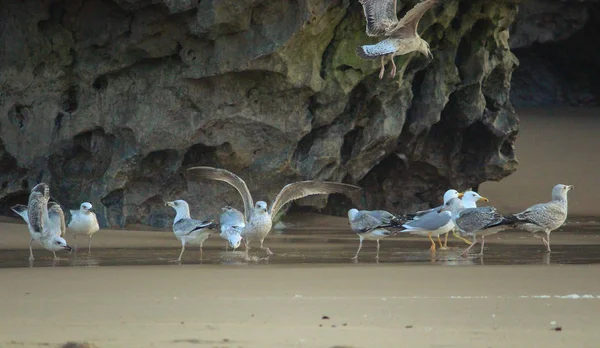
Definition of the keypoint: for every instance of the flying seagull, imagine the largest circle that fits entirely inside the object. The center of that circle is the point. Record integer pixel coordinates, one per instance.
(546, 217)
(401, 36)
(371, 225)
(188, 230)
(257, 218)
(84, 221)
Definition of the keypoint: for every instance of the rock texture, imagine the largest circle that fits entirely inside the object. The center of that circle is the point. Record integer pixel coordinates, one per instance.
(557, 43)
(110, 101)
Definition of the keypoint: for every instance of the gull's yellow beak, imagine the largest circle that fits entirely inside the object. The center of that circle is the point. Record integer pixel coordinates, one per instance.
(461, 194)
(483, 199)
(168, 204)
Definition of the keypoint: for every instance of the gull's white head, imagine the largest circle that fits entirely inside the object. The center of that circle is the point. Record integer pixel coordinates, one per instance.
(260, 207)
(424, 49)
(179, 205)
(352, 213)
(56, 244)
(559, 192)
(449, 195)
(235, 240)
(470, 199)
(86, 207)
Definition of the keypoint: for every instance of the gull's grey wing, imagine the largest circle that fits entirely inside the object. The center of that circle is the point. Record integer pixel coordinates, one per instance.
(230, 178)
(383, 216)
(471, 220)
(302, 189)
(429, 222)
(231, 217)
(407, 26)
(545, 215)
(186, 226)
(364, 221)
(57, 217)
(37, 207)
(380, 16)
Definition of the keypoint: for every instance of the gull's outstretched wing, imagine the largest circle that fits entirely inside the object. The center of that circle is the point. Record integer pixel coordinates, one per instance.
(302, 189)
(37, 207)
(57, 218)
(407, 26)
(230, 178)
(380, 16)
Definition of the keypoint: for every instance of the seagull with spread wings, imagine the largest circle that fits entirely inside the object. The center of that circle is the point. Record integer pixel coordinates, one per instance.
(259, 219)
(401, 36)
(45, 220)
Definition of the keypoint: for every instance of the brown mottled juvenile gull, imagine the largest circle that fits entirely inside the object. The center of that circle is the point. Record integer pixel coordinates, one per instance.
(371, 225)
(188, 230)
(402, 36)
(45, 220)
(477, 222)
(259, 219)
(546, 217)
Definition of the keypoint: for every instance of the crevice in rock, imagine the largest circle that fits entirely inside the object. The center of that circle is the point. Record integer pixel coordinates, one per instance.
(350, 139)
(18, 115)
(200, 155)
(114, 202)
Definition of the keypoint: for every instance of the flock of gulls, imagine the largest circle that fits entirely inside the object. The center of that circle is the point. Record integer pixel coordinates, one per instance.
(459, 215)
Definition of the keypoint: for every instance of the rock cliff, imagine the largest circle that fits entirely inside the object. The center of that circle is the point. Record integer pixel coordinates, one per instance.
(110, 101)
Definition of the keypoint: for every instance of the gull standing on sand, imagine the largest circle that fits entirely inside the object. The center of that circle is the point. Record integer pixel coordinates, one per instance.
(84, 221)
(546, 217)
(232, 225)
(45, 225)
(431, 224)
(448, 195)
(402, 36)
(257, 218)
(188, 230)
(477, 222)
(371, 225)
(469, 200)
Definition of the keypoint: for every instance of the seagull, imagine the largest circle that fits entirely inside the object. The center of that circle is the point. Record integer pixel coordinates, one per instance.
(371, 225)
(469, 200)
(546, 217)
(232, 225)
(477, 222)
(402, 36)
(431, 224)
(188, 230)
(83, 221)
(448, 195)
(257, 218)
(45, 224)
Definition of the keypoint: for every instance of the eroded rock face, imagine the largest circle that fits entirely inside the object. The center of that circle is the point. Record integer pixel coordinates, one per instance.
(110, 102)
(556, 42)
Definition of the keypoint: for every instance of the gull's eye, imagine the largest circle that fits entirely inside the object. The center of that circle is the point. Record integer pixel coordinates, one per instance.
(58, 243)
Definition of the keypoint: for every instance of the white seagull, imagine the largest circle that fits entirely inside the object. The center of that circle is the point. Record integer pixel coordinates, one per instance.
(431, 224)
(83, 221)
(188, 230)
(45, 225)
(258, 219)
(232, 225)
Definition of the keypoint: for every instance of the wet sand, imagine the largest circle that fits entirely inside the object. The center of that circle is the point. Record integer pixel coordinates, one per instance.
(409, 298)
(127, 293)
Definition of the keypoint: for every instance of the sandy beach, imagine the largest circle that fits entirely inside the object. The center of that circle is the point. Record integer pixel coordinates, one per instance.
(127, 293)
